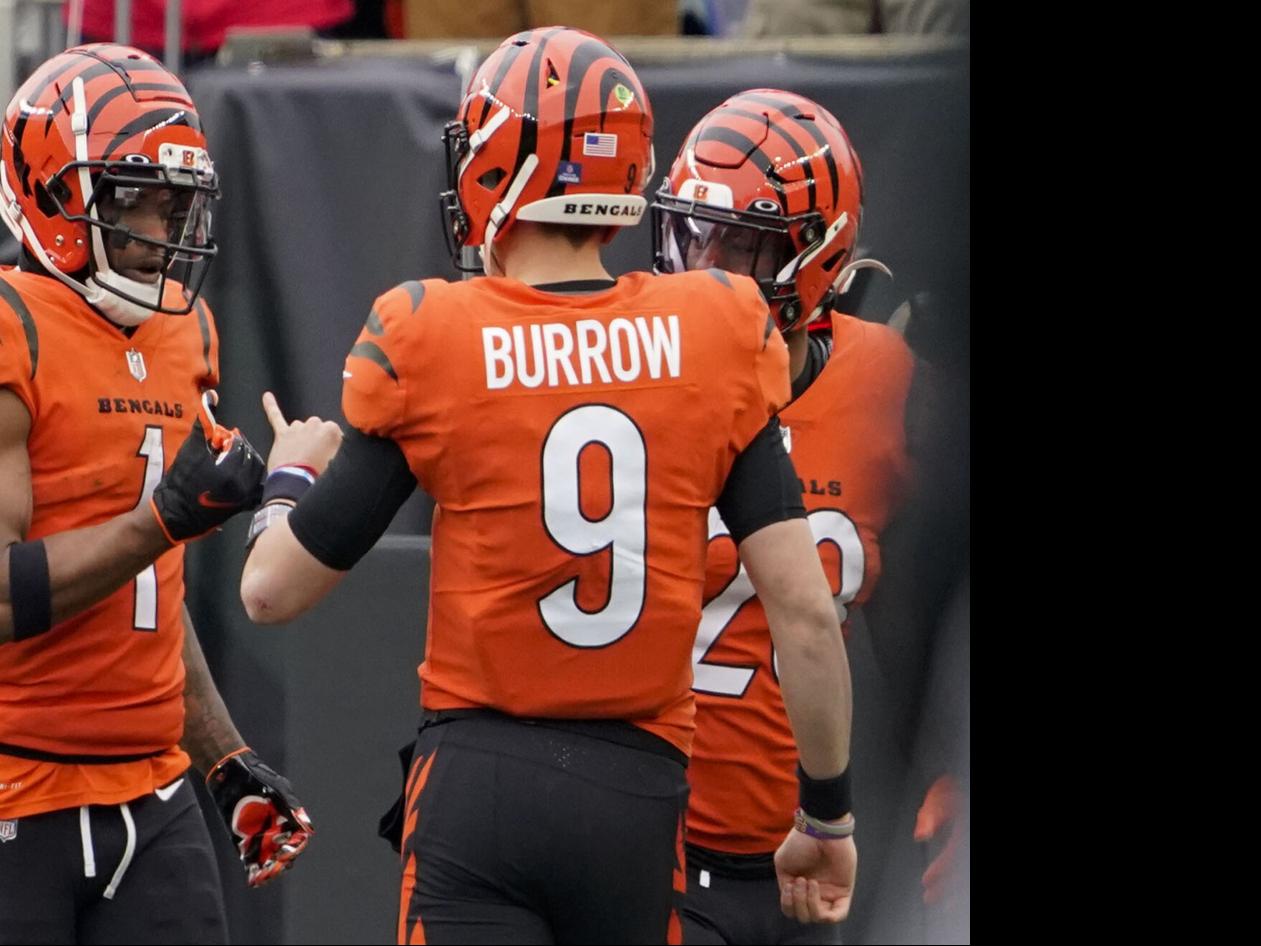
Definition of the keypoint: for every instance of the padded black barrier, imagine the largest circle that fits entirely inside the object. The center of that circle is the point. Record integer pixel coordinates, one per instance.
(328, 700)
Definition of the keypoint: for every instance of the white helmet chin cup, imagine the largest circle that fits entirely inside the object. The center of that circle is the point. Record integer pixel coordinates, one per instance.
(120, 310)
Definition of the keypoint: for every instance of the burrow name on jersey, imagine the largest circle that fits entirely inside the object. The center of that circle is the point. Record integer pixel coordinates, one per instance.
(130, 405)
(587, 352)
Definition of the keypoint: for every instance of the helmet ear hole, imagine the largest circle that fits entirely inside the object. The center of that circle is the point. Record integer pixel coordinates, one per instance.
(61, 190)
(44, 201)
(490, 180)
(834, 260)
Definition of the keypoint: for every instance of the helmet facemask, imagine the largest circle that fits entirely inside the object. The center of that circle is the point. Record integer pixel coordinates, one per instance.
(179, 196)
(455, 221)
(758, 242)
(107, 181)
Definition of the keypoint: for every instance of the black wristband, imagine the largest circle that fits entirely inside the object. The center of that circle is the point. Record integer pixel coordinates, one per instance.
(30, 590)
(826, 799)
(288, 482)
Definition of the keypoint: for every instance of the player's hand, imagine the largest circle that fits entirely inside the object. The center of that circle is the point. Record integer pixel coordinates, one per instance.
(214, 477)
(936, 818)
(310, 443)
(267, 821)
(816, 878)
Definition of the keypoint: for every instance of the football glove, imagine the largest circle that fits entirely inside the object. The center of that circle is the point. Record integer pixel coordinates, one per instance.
(268, 823)
(215, 475)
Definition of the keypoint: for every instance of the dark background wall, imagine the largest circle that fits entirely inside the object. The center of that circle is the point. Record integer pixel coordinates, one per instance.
(330, 173)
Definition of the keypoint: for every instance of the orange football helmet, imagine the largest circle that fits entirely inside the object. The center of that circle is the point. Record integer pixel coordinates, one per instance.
(554, 128)
(83, 139)
(767, 185)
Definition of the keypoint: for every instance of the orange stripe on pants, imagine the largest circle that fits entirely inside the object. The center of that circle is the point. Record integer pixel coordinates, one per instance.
(417, 784)
(674, 931)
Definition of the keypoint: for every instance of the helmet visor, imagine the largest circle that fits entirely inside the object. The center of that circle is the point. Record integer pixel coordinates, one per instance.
(691, 242)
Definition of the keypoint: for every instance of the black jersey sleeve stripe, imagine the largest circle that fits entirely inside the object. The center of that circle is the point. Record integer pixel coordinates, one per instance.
(720, 276)
(416, 290)
(203, 323)
(374, 353)
(18, 305)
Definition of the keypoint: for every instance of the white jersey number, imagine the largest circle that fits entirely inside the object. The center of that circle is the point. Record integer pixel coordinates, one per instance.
(827, 525)
(145, 612)
(623, 530)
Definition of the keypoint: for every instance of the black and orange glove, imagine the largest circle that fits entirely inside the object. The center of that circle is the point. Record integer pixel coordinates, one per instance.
(268, 823)
(215, 475)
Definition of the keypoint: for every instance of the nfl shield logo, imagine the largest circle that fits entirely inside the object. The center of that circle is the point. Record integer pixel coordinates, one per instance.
(8, 830)
(787, 434)
(701, 192)
(135, 362)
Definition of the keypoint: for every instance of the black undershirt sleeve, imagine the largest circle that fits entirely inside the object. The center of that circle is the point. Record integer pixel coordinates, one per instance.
(762, 487)
(352, 503)
(818, 351)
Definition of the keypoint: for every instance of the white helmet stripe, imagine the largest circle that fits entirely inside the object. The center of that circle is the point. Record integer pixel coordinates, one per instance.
(504, 207)
(479, 138)
(690, 156)
(79, 125)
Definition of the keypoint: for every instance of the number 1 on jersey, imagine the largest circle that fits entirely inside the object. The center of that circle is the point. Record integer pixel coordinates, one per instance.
(145, 612)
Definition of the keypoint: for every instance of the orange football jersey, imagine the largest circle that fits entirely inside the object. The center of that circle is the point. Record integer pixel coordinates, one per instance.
(573, 445)
(846, 437)
(108, 414)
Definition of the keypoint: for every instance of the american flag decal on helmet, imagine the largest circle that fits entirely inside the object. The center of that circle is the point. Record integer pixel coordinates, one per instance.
(596, 145)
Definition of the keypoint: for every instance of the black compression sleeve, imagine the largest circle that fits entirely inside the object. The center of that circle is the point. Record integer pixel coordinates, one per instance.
(352, 502)
(818, 351)
(762, 487)
(29, 589)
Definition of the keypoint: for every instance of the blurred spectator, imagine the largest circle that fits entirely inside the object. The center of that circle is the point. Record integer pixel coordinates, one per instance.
(372, 20)
(206, 21)
(441, 19)
(832, 17)
(939, 17)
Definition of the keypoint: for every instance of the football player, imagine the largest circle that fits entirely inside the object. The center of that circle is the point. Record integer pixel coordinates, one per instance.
(768, 185)
(575, 430)
(110, 461)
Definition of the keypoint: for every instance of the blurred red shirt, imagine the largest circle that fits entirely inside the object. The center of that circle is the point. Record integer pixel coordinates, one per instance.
(207, 21)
